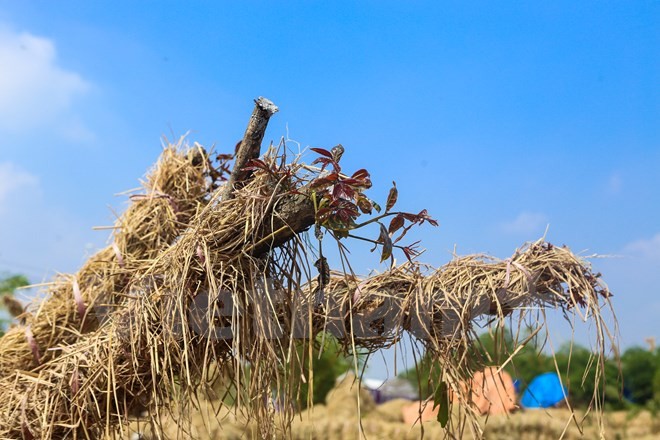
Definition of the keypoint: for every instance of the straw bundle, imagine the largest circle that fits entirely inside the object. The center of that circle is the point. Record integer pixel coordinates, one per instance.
(154, 350)
(208, 422)
(146, 356)
(440, 307)
(390, 411)
(348, 399)
(233, 288)
(173, 192)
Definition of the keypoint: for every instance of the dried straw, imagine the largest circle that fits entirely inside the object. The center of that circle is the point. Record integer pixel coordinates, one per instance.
(217, 295)
(174, 191)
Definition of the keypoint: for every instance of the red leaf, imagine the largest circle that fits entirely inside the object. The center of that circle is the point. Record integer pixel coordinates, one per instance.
(395, 224)
(424, 215)
(358, 184)
(411, 251)
(347, 211)
(403, 233)
(410, 217)
(256, 164)
(362, 179)
(324, 181)
(323, 214)
(337, 152)
(343, 191)
(325, 161)
(322, 152)
(391, 197)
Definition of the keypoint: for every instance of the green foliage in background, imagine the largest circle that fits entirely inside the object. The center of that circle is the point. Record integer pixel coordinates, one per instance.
(420, 376)
(641, 372)
(8, 284)
(656, 383)
(577, 366)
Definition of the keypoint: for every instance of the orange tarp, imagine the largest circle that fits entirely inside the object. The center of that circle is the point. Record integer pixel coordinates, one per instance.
(492, 393)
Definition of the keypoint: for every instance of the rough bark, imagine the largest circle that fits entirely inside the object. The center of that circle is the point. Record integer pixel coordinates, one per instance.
(250, 147)
(292, 215)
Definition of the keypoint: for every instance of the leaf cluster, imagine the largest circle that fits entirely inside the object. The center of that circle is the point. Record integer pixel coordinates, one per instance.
(340, 200)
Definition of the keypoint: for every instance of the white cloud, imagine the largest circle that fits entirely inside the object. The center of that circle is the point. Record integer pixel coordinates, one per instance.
(35, 91)
(646, 248)
(526, 223)
(38, 236)
(12, 179)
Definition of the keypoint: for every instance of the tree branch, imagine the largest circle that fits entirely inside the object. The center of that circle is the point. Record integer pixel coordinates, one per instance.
(292, 215)
(250, 147)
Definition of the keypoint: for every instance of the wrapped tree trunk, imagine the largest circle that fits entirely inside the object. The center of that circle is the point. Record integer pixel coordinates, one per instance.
(235, 288)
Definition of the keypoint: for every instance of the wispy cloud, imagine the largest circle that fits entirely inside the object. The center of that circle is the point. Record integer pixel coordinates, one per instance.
(35, 91)
(13, 179)
(614, 184)
(37, 235)
(526, 223)
(646, 248)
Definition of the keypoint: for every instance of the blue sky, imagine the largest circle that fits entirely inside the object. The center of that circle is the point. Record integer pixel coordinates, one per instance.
(500, 118)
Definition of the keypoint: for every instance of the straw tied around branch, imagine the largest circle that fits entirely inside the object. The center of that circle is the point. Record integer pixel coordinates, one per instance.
(207, 272)
(380, 314)
(437, 306)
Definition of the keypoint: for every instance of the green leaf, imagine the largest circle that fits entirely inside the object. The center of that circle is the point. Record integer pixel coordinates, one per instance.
(443, 412)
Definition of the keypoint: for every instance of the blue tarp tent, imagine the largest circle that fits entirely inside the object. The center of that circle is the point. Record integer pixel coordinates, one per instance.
(544, 391)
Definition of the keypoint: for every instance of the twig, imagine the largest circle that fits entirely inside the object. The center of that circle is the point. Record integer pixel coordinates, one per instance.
(250, 147)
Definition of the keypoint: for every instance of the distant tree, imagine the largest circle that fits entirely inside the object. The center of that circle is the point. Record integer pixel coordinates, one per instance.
(496, 349)
(578, 367)
(8, 284)
(640, 367)
(422, 376)
(656, 381)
